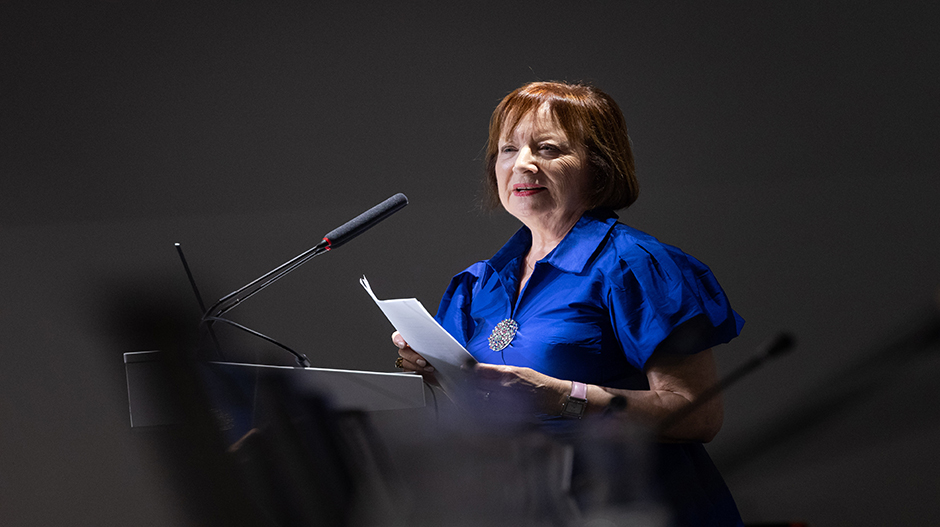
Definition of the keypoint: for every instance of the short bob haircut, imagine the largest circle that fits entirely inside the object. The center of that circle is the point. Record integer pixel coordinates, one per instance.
(589, 117)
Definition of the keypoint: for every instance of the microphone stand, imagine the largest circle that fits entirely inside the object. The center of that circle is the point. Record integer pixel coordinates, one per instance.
(229, 301)
(271, 276)
(334, 238)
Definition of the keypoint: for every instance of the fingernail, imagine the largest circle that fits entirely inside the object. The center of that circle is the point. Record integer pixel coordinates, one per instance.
(399, 343)
(429, 369)
(421, 362)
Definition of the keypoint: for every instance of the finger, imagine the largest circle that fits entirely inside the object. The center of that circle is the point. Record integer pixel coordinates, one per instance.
(426, 371)
(408, 366)
(416, 361)
(413, 357)
(412, 361)
(398, 340)
(409, 354)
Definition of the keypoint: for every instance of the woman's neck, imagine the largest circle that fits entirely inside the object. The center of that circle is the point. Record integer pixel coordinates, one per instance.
(546, 235)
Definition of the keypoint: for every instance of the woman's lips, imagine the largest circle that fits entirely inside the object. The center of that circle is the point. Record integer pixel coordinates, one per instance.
(526, 190)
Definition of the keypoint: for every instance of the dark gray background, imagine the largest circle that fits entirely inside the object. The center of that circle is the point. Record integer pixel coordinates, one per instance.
(792, 146)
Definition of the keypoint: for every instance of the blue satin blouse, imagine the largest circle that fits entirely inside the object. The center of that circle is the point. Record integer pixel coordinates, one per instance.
(594, 309)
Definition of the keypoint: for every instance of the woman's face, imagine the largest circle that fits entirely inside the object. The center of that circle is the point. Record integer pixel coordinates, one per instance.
(541, 176)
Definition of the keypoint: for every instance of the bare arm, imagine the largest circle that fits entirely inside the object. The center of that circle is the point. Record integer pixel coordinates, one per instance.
(676, 381)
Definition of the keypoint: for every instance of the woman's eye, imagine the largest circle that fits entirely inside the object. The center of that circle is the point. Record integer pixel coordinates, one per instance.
(548, 148)
(507, 148)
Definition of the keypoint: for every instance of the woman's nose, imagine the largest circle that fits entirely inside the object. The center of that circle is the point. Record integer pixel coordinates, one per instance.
(525, 161)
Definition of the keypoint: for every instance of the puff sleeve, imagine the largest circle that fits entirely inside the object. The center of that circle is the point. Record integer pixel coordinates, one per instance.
(659, 288)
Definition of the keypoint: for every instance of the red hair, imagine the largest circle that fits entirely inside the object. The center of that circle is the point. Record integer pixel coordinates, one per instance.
(589, 117)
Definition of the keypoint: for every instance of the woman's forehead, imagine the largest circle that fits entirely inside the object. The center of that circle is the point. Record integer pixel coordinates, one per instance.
(540, 120)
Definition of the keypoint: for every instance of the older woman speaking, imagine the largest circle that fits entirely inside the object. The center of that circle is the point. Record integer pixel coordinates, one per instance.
(577, 310)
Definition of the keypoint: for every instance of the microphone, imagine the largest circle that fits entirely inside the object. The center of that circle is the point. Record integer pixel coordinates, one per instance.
(334, 238)
(364, 221)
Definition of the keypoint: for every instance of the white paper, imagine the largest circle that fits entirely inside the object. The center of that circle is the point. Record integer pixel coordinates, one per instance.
(425, 336)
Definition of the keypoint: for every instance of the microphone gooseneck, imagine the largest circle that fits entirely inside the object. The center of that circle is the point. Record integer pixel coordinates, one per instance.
(333, 239)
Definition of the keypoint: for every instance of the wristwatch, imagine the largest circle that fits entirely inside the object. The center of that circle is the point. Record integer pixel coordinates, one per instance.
(576, 403)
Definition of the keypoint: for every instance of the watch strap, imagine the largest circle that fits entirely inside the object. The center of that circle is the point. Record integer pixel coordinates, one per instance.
(579, 390)
(576, 403)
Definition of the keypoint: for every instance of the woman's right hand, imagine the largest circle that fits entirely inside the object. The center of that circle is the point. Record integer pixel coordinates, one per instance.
(411, 360)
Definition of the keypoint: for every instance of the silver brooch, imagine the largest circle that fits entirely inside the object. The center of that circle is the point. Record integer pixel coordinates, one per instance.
(503, 334)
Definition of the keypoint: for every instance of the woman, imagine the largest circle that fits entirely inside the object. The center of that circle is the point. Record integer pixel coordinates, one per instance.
(578, 311)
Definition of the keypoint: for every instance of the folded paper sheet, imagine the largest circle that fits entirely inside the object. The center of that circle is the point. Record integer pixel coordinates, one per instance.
(427, 337)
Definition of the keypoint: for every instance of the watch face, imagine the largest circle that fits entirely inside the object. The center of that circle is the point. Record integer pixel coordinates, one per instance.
(574, 408)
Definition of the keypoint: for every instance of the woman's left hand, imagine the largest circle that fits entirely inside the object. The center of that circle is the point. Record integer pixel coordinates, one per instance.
(411, 360)
(515, 390)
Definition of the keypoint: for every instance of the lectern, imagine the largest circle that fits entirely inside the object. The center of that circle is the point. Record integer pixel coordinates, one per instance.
(154, 398)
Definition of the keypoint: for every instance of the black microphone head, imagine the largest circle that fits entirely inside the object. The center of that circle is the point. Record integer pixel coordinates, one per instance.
(398, 201)
(365, 221)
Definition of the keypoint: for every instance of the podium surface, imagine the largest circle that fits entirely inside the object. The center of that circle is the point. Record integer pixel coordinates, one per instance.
(343, 389)
(153, 395)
